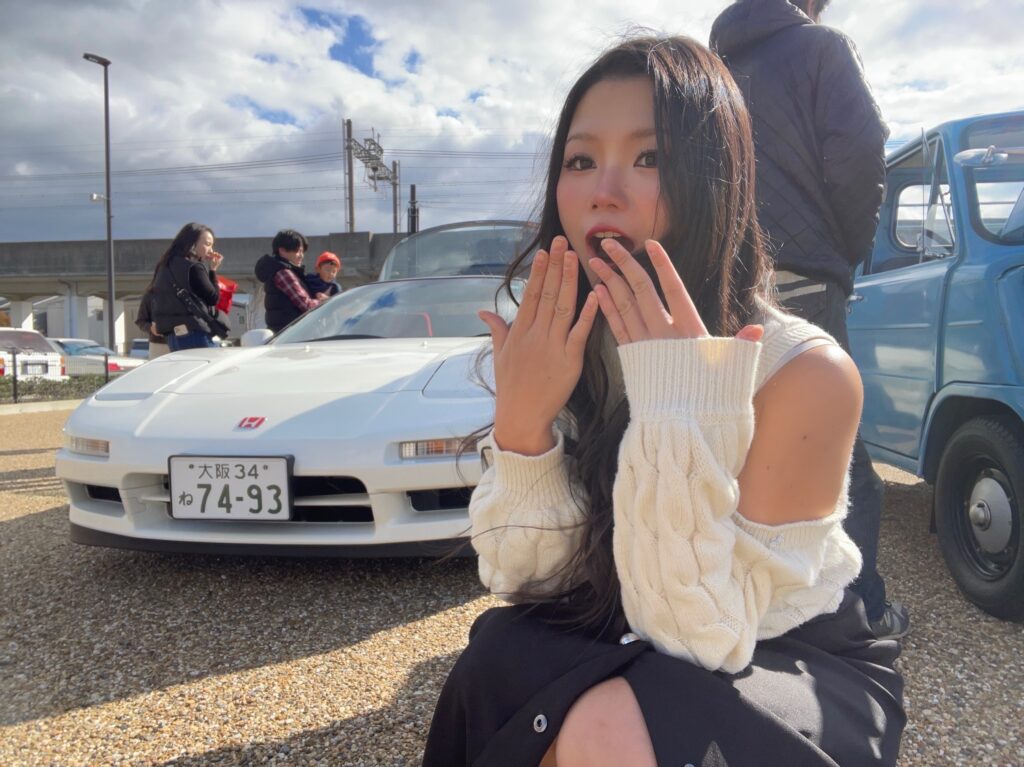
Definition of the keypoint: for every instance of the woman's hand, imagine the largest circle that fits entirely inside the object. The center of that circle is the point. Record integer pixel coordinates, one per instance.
(631, 303)
(213, 259)
(538, 361)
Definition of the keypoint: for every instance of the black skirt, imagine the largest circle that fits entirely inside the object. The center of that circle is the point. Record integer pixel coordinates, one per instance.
(822, 695)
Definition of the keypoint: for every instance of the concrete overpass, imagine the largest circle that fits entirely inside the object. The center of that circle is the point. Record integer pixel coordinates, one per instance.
(75, 270)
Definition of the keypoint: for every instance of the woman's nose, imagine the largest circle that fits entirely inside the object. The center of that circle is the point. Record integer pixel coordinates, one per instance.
(609, 190)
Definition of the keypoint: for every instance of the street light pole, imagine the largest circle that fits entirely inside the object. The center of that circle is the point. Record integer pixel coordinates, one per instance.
(105, 63)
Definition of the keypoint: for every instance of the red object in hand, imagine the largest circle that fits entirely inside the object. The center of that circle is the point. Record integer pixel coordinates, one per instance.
(227, 292)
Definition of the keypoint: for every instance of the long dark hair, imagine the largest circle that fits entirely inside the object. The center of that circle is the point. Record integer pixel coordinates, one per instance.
(181, 246)
(706, 172)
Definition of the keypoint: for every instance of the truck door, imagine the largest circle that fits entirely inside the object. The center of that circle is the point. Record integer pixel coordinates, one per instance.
(895, 311)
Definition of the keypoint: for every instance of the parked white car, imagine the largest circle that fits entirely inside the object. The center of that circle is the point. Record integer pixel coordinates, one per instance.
(337, 437)
(85, 356)
(31, 354)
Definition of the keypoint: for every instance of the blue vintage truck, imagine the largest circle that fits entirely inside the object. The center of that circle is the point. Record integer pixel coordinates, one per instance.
(936, 326)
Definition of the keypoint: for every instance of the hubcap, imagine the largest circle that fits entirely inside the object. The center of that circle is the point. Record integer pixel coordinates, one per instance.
(991, 515)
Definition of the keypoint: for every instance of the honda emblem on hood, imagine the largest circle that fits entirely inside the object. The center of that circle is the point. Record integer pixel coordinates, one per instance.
(251, 422)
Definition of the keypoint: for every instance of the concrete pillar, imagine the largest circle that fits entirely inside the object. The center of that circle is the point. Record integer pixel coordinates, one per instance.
(119, 327)
(76, 314)
(21, 315)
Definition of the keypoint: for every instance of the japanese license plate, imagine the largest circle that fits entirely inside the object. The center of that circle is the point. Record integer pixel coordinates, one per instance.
(219, 487)
(35, 368)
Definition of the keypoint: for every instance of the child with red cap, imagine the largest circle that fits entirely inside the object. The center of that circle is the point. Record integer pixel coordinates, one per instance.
(323, 279)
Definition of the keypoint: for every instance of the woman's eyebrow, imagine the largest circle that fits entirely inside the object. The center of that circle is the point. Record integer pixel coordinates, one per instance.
(585, 136)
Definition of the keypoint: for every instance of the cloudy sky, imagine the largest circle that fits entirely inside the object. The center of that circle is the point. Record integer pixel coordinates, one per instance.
(230, 112)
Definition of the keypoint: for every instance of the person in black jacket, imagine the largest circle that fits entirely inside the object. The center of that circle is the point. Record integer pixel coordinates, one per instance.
(286, 296)
(145, 322)
(190, 264)
(820, 144)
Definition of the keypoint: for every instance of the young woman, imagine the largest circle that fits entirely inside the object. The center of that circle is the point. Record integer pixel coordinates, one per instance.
(189, 264)
(667, 474)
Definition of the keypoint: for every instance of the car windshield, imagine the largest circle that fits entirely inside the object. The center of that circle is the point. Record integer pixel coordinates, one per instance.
(78, 348)
(484, 248)
(994, 165)
(443, 307)
(23, 341)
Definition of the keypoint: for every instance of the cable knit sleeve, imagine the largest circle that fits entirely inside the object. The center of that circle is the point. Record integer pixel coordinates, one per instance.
(525, 521)
(694, 582)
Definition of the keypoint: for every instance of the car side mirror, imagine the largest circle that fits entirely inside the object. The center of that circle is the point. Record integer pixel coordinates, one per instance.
(256, 337)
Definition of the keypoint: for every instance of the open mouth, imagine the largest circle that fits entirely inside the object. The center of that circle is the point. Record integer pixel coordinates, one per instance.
(595, 239)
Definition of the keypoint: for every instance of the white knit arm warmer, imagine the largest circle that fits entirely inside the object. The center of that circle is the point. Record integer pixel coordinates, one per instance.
(693, 583)
(525, 522)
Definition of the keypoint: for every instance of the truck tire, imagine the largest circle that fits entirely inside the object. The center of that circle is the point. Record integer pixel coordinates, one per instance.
(978, 495)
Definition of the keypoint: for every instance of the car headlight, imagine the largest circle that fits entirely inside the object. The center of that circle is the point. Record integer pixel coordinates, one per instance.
(98, 448)
(433, 448)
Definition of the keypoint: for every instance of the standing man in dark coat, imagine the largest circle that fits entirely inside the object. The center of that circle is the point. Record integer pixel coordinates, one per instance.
(820, 143)
(286, 295)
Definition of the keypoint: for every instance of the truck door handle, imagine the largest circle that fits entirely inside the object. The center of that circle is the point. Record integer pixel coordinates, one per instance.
(853, 297)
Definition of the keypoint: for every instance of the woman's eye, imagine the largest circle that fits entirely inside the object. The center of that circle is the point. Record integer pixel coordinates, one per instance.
(647, 160)
(579, 162)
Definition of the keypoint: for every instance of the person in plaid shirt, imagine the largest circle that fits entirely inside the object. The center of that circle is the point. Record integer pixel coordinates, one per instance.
(283, 278)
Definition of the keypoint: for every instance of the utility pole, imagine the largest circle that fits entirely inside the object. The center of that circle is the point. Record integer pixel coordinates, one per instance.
(348, 173)
(394, 194)
(414, 210)
(105, 63)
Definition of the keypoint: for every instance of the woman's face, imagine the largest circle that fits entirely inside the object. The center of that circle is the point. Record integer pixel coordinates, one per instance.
(204, 245)
(609, 185)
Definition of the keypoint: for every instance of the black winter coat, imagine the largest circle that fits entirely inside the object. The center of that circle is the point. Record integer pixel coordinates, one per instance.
(279, 308)
(819, 136)
(169, 310)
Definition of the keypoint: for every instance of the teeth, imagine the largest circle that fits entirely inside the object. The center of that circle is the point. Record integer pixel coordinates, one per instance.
(605, 235)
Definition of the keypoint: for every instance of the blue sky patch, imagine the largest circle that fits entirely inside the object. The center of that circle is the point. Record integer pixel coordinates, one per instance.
(412, 61)
(269, 58)
(276, 116)
(474, 95)
(317, 18)
(357, 47)
(447, 112)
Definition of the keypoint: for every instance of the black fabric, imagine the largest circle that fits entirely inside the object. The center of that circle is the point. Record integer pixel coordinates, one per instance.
(145, 318)
(317, 284)
(818, 134)
(279, 308)
(822, 695)
(169, 310)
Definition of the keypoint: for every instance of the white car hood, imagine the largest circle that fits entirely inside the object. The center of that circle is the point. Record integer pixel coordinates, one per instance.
(293, 370)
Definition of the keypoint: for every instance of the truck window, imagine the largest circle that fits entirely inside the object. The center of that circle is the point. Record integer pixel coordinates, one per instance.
(923, 222)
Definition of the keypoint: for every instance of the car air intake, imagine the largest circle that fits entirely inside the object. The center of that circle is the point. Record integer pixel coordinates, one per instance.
(100, 493)
(444, 499)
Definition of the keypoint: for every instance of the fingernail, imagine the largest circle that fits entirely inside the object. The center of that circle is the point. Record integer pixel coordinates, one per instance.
(607, 243)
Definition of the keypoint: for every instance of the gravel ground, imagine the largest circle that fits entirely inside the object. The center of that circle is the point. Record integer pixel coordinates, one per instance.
(121, 658)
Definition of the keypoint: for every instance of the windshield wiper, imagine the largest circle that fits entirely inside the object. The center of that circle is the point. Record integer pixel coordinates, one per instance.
(336, 338)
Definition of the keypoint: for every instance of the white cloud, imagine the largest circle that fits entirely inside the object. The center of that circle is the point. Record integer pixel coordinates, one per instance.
(189, 79)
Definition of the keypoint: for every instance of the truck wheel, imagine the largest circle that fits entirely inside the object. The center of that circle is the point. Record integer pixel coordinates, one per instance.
(978, 496)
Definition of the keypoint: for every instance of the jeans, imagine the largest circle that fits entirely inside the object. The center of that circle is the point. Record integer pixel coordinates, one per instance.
(194, 339)
(824, 304)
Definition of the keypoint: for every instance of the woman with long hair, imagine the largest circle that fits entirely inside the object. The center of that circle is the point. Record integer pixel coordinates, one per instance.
(186, 290)
(666, 474)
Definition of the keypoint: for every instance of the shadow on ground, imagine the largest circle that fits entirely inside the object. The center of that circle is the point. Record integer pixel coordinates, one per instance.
(393, 736)
(81, 625)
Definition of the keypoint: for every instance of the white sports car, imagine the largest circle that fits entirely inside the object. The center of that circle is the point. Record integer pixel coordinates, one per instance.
(337, 437)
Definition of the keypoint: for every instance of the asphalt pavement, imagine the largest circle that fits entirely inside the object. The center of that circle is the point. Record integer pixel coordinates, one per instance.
(124, 658)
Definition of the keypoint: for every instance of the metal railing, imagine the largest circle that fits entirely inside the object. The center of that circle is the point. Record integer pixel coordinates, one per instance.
(37, 376)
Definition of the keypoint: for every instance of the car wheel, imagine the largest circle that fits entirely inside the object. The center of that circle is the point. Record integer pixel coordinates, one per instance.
(978, 494)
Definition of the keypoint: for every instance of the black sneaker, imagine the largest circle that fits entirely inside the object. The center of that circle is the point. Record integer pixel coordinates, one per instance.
(894, 623)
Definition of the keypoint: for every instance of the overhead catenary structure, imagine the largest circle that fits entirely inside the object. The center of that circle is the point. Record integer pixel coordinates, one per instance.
(371, 155)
